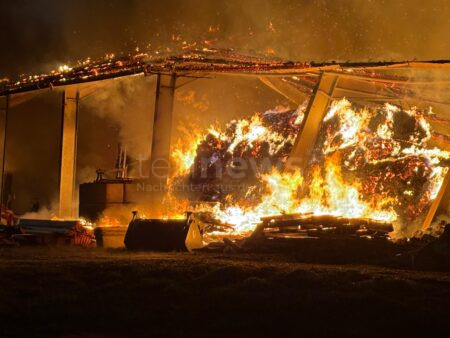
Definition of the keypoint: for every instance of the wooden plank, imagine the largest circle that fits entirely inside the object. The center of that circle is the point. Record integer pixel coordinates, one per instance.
(313, 221)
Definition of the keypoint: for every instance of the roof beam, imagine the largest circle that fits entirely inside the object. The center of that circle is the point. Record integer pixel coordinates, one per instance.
(284, 88)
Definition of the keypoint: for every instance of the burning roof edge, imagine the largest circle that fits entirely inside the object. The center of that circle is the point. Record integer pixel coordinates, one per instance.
(218, 63)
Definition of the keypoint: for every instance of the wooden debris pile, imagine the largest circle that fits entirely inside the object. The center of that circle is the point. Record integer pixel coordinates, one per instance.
(288, 231)
(317, 226)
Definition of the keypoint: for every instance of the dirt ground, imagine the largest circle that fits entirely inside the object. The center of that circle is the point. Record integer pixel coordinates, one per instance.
(102, 293)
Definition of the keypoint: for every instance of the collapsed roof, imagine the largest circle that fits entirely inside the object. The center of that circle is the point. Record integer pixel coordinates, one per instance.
(407, 83)
(214, 61)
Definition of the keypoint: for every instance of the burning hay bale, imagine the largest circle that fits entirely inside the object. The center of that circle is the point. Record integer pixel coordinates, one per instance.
(257, 144)
(370, 163)
(385, 148)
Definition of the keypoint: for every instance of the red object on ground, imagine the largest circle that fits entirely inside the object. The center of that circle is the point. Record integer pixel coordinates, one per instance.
(7, 217)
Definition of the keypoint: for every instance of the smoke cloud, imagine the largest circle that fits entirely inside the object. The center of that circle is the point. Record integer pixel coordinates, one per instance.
(127, 104)
(39, 35)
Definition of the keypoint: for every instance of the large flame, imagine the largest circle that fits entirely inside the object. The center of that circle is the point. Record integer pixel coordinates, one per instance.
(387, 148)
(328, 195)
(389, 174)
(184, 155)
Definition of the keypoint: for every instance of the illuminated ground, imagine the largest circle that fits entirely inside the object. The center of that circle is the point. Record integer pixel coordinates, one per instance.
(74, 291)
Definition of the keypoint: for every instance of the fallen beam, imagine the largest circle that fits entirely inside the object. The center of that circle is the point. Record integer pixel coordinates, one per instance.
(437, 202)
(314, 114)
(284, 88)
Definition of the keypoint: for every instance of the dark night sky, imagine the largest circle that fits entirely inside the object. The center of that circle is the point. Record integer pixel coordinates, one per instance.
(40, 34)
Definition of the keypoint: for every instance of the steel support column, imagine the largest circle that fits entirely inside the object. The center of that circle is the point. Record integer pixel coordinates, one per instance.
(4, 109)
(162, 128)
(70, 106)
(314, 114)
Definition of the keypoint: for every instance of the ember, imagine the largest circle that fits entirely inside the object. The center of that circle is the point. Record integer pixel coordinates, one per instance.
(361, 160)
(282, 168)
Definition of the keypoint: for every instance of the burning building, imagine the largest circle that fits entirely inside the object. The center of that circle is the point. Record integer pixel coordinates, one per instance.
(361, 142)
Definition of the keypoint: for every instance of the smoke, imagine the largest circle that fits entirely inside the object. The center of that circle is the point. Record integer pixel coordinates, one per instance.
(41, 35)
(44, 212)
(127, 104)
(218, 100)
(33, 151)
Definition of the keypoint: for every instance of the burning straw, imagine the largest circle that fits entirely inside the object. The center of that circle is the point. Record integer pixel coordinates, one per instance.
(369, 162)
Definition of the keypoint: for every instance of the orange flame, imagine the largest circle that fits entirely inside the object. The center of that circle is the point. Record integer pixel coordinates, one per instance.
(327, 192)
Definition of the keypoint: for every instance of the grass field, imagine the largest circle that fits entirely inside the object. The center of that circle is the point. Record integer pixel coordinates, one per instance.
(99, 293)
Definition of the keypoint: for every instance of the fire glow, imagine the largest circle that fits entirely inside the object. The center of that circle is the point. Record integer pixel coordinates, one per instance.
(359, 158)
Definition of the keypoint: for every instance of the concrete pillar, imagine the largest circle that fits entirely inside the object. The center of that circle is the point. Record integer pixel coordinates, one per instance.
(162, 128)
(4, 109)
(314, 115)
(70, 105)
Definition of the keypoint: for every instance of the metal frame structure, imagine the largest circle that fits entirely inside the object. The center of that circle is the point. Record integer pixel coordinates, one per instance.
(334, 86)
(334, 82)
(70, 104)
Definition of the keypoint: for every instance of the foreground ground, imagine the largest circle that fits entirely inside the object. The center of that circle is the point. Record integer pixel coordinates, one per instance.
(94, 292)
